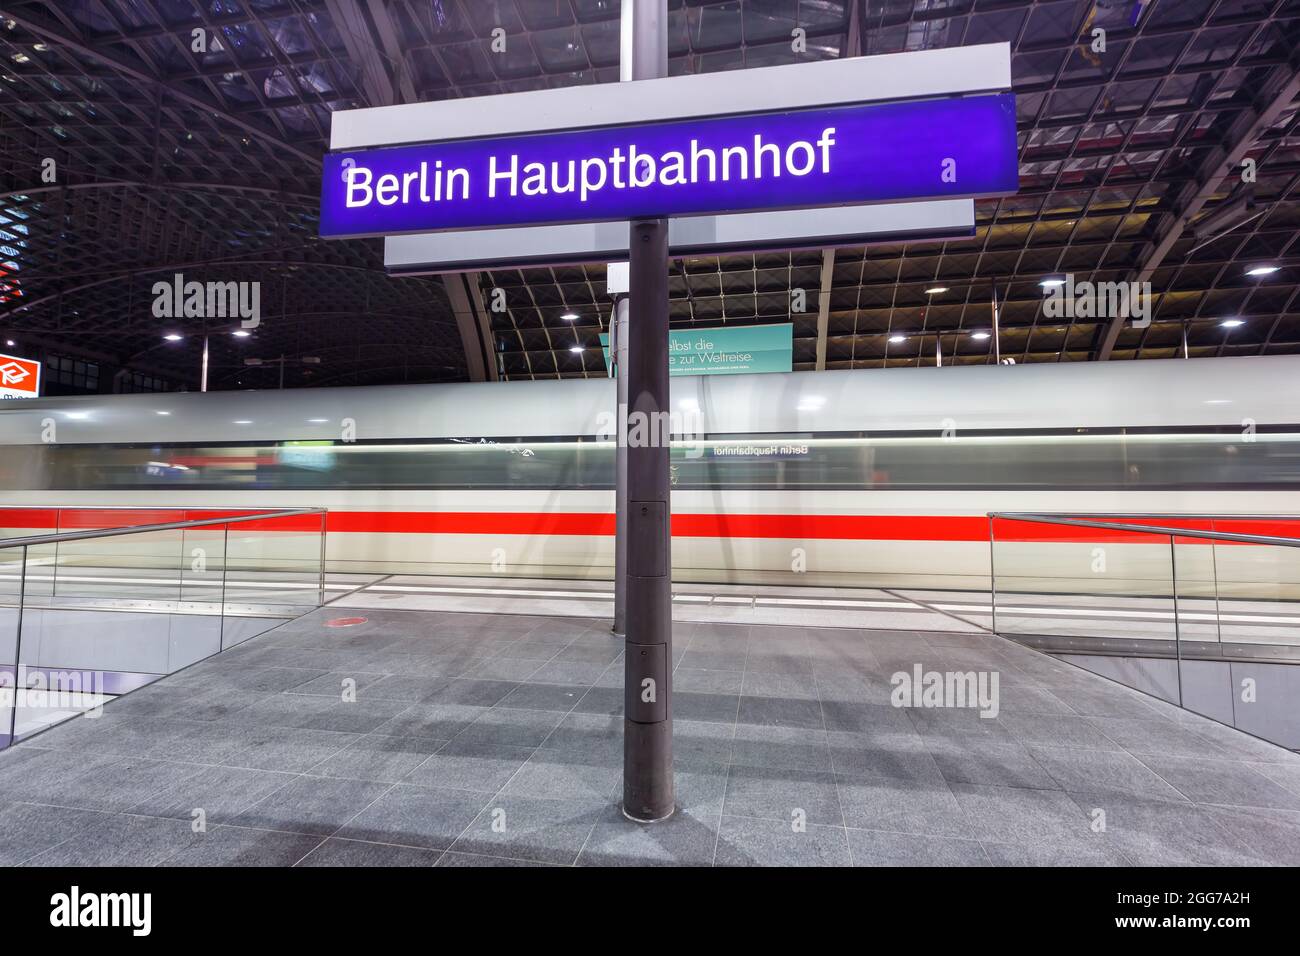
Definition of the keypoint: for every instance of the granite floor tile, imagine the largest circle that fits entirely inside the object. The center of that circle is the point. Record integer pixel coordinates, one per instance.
(920, 806)
(120, 840)
(409, 815)
(684, 839)
(557, 775)
(243, 846)
(1103, 772)
(887, 848)
(358, 853)
(1225, 782)
(527, 828)
(1010, 815)
(312, 805)
(783, 794)
(27, 829)
(470, 765)
(378, 758)
(746, 841)
(222, 793)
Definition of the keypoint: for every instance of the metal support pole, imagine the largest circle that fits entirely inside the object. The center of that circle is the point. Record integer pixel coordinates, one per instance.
(997, 335)
(203, 379)
(647, 724)
(618, 351)
(648, 793)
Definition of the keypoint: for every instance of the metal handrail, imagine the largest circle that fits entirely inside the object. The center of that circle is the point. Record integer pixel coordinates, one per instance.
(1163, 514)
(143, 528)
(1156, 529)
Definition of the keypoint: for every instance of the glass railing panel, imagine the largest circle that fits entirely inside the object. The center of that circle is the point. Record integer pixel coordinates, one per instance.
(1100, 597)
(104, 620)
(143, 566)
(274, 573)
(1219, 635)
(90, 617)
(1059, 581)
(11, 568)
(1256, 681)
(202, 568)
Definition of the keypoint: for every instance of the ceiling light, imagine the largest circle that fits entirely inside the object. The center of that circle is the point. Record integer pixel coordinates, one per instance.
(1051, 282)
(569, 316)
(575, 348)
(979, 336)
(10, 343)
(1232, 323)
(897, 338)
(1263, 270)
(241, 333)
(241, 421)
(935, 290)
(173, 337)
(162, 413)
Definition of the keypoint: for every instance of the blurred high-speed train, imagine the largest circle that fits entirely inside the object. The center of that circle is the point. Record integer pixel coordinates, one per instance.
(870, 477)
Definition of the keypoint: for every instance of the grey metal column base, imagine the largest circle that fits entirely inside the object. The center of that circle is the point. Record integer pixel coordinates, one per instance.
(656, 820)
(653, 745)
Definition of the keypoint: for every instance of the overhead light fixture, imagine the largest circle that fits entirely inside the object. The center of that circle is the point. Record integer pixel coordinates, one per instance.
(575, 348)
(160, 412)
(1232, 323)
(935, 290)
(241, 421)
(1052, 282)
(1263, 270)
(241, 333)
(173, 337)
(569, 316)
(897, 338)
(979, 336)
(10, 343)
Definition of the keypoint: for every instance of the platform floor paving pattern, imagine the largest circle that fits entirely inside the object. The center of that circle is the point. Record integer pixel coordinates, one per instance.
(443, 738)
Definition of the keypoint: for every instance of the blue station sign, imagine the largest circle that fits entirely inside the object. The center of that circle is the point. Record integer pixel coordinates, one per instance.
(939, 148)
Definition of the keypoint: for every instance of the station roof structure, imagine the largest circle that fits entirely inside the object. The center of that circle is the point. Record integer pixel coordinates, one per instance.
(170, 159)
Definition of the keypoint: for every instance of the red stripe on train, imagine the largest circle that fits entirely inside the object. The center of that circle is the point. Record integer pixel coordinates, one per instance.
(973, 528)
(808, 526)
(87, 519)
(584, 524)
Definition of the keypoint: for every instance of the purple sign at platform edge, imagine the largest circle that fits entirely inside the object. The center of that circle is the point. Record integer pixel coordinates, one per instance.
(881, 152)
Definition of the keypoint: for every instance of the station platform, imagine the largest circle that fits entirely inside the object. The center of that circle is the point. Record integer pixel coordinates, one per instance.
(486, 730)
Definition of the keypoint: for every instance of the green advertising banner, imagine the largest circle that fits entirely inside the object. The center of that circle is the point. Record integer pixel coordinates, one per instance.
(738, 350)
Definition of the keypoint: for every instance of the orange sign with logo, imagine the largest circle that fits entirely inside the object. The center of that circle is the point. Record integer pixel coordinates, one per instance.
(19, 377)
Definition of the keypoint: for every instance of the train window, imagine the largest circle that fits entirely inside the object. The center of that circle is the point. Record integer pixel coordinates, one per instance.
(785, 462)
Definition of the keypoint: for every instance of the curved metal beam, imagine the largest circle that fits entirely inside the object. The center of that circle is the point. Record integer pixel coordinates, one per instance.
(55, 34)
